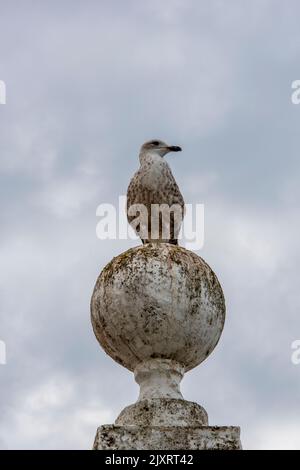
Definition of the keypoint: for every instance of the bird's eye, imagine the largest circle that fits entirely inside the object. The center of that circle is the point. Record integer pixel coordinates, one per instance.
(155, 142)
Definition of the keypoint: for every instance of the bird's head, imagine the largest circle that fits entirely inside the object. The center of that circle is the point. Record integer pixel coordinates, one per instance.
(158, 147)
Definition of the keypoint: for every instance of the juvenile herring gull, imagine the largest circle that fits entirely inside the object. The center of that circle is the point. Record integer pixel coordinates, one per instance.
(155, 206)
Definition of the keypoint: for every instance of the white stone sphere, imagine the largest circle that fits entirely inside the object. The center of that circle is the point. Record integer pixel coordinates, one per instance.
(158, 301)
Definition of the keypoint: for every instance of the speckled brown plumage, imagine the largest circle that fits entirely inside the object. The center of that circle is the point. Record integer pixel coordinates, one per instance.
(154, 183)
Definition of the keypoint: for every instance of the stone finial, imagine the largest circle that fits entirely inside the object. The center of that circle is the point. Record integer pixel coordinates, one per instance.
(159, 311)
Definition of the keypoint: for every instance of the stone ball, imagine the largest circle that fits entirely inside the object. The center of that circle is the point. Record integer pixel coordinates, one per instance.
(158, 301)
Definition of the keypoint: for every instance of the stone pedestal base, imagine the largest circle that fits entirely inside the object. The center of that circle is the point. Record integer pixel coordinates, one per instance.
(113, 437)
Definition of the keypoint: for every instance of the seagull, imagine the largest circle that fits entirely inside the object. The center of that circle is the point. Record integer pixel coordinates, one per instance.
(155, 206)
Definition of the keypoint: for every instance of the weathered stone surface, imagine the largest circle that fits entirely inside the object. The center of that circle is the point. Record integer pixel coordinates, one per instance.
(158, 301)
(160, 401)
(163, 412)
(159, 378)
(112, 437)
(159, 310)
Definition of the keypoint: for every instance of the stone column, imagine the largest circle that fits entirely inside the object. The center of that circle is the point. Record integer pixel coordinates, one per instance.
(159, 311)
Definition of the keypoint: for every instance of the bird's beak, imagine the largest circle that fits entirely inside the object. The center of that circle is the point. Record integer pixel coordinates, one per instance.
(174, 148)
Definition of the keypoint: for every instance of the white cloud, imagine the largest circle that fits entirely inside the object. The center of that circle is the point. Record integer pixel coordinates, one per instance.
(67, 198)
(50, 414)
(275, 435)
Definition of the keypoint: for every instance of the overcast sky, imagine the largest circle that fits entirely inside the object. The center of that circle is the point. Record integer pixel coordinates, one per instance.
(87, 83)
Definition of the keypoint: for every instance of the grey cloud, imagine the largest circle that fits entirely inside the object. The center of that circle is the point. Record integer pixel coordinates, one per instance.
(87, 83)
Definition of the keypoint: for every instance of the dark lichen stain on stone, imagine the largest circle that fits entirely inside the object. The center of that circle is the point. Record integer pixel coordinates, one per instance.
(186, 273)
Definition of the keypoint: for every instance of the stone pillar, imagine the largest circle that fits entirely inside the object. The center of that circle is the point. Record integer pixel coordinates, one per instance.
(159, 311)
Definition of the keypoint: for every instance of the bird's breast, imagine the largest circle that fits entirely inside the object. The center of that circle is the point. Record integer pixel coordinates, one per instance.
(153, 176)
